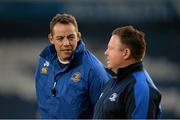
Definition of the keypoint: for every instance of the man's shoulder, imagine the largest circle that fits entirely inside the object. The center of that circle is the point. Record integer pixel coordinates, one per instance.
(91, 59)
(48, 52)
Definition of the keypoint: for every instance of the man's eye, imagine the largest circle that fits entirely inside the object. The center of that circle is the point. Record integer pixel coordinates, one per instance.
(60, 38)
(71, 37)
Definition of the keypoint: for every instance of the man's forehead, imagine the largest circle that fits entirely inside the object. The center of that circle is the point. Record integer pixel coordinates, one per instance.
(114, 39)
(115, 42)
(64, 27)
(65, 35)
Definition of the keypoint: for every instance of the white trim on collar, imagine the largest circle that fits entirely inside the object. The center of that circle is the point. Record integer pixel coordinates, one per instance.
(63, 62)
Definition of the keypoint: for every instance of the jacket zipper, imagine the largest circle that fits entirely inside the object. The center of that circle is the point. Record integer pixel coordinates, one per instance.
(53, 91)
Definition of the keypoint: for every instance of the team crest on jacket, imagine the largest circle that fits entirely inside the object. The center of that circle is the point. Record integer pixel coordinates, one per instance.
(76, 77)
(113, 97)
(45, 68)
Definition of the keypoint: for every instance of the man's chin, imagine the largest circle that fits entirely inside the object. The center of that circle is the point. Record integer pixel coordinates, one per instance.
(67, 55)
(109, 67)
(67, 58)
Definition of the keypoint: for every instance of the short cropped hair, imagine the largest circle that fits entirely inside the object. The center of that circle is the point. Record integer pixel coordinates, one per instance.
(134, 39)
(63, 19)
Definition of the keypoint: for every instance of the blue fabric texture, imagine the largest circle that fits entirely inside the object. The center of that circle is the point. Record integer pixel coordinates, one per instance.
(78, 84)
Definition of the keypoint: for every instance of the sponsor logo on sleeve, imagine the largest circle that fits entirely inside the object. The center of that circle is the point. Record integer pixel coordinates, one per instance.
(44, 69)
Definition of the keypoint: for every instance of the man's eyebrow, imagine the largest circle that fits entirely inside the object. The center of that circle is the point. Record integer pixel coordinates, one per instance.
(60, 36)
(71, 34)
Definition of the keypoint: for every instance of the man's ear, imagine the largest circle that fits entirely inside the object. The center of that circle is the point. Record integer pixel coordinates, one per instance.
(79, 35)
(127, 53)
(50, 38)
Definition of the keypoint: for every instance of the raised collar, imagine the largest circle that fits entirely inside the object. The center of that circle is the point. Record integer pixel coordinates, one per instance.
(49, 53)
(123, 72)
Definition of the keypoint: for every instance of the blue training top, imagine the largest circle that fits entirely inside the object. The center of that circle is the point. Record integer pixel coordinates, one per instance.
(69, 91)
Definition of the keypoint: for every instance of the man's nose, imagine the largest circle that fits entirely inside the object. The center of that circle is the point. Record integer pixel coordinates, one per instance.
(66, 42)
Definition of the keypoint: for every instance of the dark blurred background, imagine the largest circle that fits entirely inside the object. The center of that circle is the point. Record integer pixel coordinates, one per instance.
(24, 26)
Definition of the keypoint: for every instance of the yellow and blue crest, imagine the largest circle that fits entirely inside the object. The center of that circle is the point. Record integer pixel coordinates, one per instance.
(44, 70)
(76, 77)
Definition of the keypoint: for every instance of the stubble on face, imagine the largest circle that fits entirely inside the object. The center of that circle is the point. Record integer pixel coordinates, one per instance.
(65, 40)
(113, 53)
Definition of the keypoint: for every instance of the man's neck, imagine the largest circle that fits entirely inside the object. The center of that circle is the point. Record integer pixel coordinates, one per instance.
(126, 63)
(63, 62)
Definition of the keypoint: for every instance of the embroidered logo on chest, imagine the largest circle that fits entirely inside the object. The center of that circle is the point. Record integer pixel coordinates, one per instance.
(76, 77)
(113, 97)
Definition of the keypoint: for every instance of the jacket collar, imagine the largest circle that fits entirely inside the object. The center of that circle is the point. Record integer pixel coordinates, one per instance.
(123, 72)
(49, 53)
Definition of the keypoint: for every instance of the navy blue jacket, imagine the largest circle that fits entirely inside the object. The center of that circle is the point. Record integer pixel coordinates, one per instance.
(69, 91)
(132, 95)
